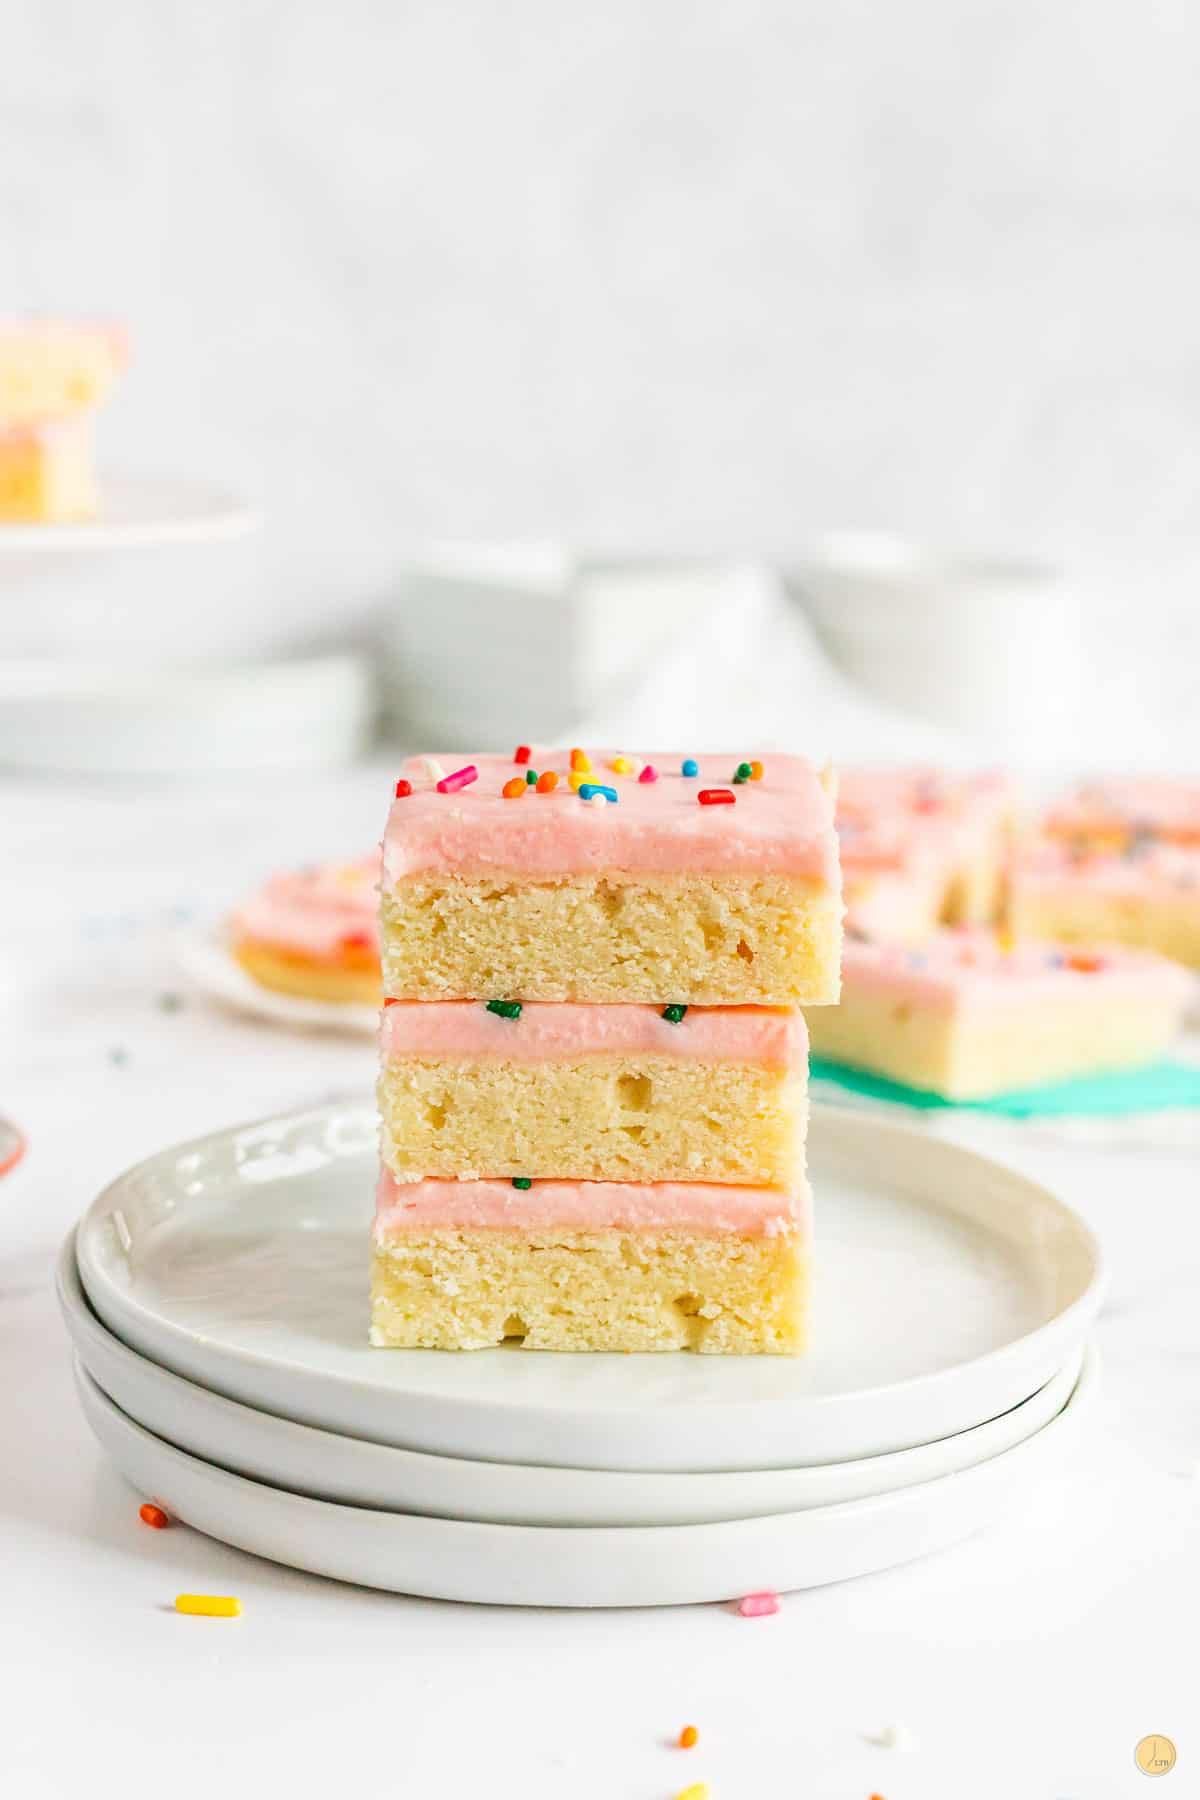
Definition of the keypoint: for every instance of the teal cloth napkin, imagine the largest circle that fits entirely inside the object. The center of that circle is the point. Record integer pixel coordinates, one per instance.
(1156, 1089)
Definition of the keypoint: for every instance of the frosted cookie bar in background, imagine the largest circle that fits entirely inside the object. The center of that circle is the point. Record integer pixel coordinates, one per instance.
(53, 377)
(47, 471)
(612, 878)
(1113, 813)
(922, 847)
(593, 1093)
(1146, 896)
(314, 932)
(970, 1014)
(561, 1265)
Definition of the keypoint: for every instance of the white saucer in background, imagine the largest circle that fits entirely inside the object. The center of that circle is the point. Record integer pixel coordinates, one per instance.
(357, 1473)
(948, 1289)
(204, 958)
(302, 713)
(135, 513)
(522, 1565)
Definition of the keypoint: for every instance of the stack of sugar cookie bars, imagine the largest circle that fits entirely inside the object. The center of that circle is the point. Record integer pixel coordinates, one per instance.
(54, 377)
(594, 1067)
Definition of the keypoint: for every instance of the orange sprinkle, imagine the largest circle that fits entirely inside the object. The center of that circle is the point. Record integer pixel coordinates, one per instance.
(688, 1737)
(756, 771)
(581, 761)
(512, 790)
(1085, 965)
(153, 1515)
(547, 783)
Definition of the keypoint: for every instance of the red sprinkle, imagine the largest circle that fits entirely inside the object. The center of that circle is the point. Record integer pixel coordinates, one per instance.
(461, 778)
(522, 753)
(153, 1515)
(757, 1606)
(390, 1001)
(717, 797)
(356, 940)
(403, 789)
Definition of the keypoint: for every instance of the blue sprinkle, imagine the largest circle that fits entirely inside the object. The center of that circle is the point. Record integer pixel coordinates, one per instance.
(690, 766)
(588, 788)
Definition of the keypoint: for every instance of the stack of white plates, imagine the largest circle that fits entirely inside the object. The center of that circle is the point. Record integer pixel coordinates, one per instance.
(216, 1300)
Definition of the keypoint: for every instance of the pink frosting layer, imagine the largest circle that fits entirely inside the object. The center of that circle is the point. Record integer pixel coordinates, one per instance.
(1166, 806)
(782, 824)
(1156, 870)
(560, 1033)
(954, 968)
(917, 819)
(584, 1206)
(312, 912)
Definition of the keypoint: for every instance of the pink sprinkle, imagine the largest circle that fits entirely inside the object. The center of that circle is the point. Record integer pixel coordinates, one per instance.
(461, 778)
(649, 773)
(756, 1606)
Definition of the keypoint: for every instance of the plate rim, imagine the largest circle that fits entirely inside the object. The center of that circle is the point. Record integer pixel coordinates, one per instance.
(85, 1329)
(126, 1316)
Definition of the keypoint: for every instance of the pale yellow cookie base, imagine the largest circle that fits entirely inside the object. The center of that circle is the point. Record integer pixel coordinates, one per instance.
(965, 1055)
(574, 1290)
(47, 480)
(770, 940)
(1168, 923)
(603, 1118)
(288, 974)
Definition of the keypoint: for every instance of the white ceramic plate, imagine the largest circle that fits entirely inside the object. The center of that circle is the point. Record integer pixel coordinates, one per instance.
(523, 1565)
(138, 512)
(205, 959)
(357, 1473)
(948, 1289)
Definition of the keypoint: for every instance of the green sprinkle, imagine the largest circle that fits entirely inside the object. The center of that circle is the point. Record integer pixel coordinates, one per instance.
(522, 1182)
(742, 773)
(531, 778)
(674, 1014)
(505, 1009)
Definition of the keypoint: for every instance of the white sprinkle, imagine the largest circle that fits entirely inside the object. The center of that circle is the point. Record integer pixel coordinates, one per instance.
(894, 1737)
(433, 768)
(121, 1229)
(635, 766)
(597, 800)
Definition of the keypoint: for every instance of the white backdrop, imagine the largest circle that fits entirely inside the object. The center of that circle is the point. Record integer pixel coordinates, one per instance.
(651, 273)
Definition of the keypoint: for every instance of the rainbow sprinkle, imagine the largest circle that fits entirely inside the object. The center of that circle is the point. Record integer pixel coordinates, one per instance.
(505, 1009)
(581, 761)
(209, 1606)
(742, 773)
(716, 797)
(649, 773)
(757, 1606)
(154, 1516)
(461, 778)
(689, 1737)
(512, 790)
(674, 1014)
(589, 789)
(547, 783)
(522, 753)
(600, 800)
(531, 777)
(756, 771)
(522, 1181)
(433, 768)
(621, 765)
(403, 789)
(689, 766)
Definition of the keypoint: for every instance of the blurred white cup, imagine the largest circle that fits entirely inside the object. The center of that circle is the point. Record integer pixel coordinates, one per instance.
(986, 644)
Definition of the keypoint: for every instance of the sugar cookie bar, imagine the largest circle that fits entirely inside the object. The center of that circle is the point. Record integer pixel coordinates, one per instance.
(314, 933)
(970, 1015)
(1147, 896)
(56, 368)
(464, 1265)
(628, 886)
(46, 472)
(593, 1093)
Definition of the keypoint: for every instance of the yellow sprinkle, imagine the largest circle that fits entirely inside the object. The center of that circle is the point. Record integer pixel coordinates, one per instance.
(581, 761)
(209, 1606)
(577, 777)
(699, 1790)
(621, 765)
(1005, 941)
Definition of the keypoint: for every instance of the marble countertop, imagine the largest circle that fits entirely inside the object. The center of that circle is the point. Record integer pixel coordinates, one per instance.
(1026, 1663)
